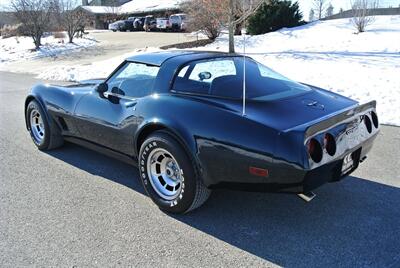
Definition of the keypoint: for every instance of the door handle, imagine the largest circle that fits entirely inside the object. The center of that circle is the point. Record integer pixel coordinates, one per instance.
(106, 94)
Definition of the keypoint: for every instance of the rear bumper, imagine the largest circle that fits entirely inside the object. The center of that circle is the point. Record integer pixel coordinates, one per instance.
(294, 180)
(332, 171)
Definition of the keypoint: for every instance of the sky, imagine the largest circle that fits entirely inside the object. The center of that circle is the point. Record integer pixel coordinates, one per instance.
(305, 5)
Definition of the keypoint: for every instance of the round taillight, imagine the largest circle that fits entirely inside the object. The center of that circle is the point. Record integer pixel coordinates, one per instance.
(314, 150)
(368, 123)
(330, 144)
(374, 119)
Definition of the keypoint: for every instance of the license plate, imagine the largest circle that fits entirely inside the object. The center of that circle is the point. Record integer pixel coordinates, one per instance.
(348, 163)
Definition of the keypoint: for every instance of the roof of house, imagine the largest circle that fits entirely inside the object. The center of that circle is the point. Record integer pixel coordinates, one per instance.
(140, 6)
(100, 9)
(136, 6)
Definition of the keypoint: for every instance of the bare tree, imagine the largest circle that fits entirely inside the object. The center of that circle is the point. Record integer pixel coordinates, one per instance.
(70, 18)
(34, 16)
(208, 16)
(362, 13)
(311, 15)
(212, 15)
(319, 7)
(329, 10)
(239, 11)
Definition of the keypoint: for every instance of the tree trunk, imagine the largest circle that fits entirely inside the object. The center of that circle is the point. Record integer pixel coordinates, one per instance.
(231, 27)
(238, 28)
(36, 41)
(231, 38)
(71, 36)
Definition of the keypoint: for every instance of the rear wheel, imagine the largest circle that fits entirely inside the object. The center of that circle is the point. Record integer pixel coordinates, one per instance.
(44, 137)
(169, 176)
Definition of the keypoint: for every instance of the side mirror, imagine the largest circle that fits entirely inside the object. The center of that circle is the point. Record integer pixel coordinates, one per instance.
(101, 88)
(204, 75)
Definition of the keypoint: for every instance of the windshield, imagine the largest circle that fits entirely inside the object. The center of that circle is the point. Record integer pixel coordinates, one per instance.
(223, 77)
(174, 19)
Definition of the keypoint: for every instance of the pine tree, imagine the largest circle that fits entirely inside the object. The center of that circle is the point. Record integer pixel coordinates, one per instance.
(274, 15)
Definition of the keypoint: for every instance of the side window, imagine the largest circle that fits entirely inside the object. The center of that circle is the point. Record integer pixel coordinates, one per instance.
(133, 80)
(183, 71)
(197, 77)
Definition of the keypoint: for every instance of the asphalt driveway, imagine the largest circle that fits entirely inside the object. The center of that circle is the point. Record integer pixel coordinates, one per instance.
(74, 207)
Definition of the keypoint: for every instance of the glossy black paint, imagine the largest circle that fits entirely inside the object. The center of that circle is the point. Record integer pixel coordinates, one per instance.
(273, 135)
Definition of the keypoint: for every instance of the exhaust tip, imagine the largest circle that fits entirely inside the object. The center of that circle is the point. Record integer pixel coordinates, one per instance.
(307, 196)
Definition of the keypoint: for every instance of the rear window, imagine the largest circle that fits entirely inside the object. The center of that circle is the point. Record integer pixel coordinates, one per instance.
(223, 77)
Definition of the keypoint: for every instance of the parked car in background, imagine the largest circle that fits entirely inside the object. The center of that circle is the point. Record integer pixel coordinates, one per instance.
(116, 26)
(138, 24)
(128, 26)
(149, 23)
(178, 22)
(121, 25)
(162, 24)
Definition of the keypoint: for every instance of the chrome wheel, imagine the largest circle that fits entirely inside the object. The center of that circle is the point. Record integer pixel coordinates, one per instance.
(166, 177)
(37, 126)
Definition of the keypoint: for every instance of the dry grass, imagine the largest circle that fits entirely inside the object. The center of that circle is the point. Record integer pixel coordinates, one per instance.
(10, 30)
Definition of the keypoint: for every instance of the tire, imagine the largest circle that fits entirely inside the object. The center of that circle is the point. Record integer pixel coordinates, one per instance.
(44, 135)
(183, 189)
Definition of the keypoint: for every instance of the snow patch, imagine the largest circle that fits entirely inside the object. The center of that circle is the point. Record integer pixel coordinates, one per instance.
(99, 69)
(22, 48)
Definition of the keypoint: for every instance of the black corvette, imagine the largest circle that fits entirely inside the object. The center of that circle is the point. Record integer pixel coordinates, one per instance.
(191, 123)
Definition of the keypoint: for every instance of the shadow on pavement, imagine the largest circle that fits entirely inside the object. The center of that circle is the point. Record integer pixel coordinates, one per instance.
(99, 165)
(355, 222)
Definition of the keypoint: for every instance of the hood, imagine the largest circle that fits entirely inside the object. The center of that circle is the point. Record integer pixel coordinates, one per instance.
(94, 81)
(74, 89)
(82, 83)
(80, 87)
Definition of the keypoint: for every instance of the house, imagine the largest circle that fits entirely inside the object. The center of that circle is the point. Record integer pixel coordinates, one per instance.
(103, 12)
(103, 2)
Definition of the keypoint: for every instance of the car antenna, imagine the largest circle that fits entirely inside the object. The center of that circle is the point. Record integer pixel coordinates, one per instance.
(244, 65)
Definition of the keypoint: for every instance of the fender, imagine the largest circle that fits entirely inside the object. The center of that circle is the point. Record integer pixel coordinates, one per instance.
(174, 128)
(180, 133)
(39, 100)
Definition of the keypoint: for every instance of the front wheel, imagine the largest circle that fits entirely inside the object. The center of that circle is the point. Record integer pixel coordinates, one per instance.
(169, 175)
(43, 135)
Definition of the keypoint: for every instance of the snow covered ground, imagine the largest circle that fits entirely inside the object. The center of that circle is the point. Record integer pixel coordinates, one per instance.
(327, 54)
(21, 48)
